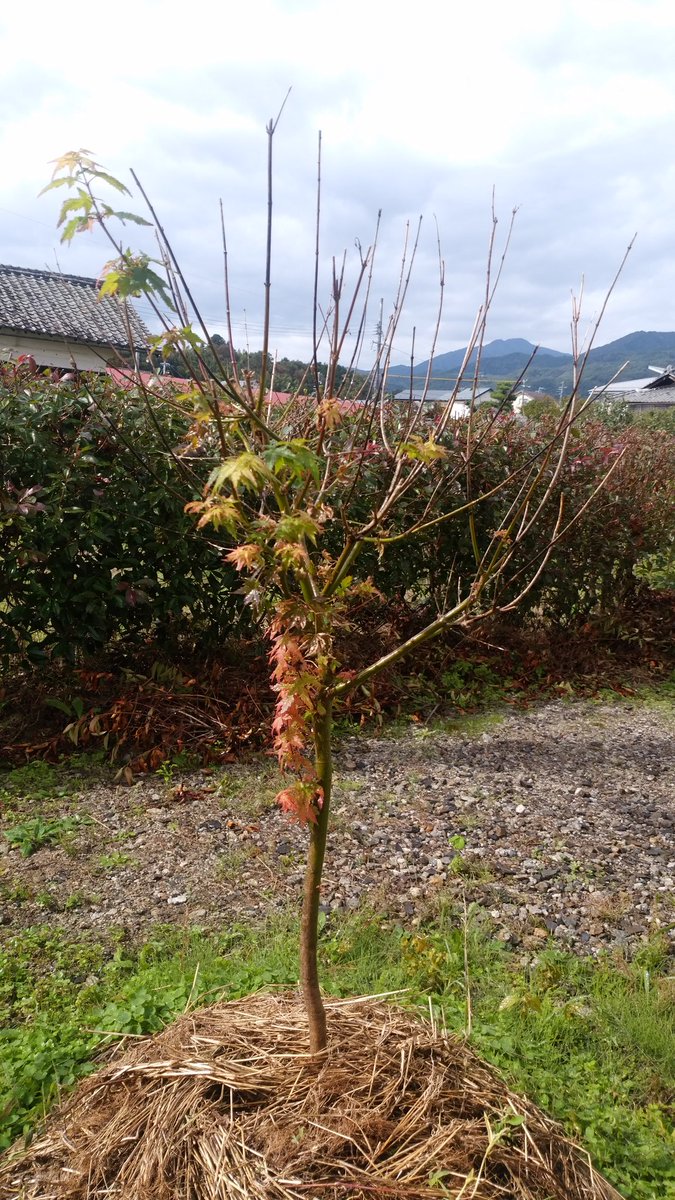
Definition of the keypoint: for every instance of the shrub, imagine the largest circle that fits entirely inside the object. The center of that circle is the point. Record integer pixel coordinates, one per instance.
(540, 406)
(655, 418)
(96, 547)
(658, 570)
(591, 569)
(593, 572)
(97, 551)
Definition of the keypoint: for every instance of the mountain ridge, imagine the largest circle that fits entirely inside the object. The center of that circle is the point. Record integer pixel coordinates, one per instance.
(550, 370)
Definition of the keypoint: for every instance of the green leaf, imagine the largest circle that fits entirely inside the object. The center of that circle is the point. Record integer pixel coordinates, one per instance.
(247, 471)
(80, 203)
(114, 183)
(127, 216)
(110, 284)
(65, 180)
(132, 275)
(295, 527)
(75, 160)
(60, 705)
(293, 457)
(166, 343)
(76, 225)
(513, 1120)
(193, 339)
(422, 451)
(344, 585)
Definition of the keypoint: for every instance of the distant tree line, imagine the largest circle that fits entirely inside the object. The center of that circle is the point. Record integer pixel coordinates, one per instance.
(287, 374)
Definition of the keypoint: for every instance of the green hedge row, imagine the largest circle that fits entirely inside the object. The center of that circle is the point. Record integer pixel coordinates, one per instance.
(592, 569)
(95, 546)
(96, 550)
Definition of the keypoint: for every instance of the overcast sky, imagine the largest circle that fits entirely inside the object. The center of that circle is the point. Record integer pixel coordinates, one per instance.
(565, 107)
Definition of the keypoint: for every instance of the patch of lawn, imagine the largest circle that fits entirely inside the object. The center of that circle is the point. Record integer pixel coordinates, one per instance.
(591, 1042)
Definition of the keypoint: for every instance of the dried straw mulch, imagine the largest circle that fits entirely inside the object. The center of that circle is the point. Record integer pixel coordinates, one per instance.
(224, 1105)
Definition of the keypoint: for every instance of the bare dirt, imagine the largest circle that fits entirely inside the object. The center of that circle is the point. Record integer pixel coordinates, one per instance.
(559, 821)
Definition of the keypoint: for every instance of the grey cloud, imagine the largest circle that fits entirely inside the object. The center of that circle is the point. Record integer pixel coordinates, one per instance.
(579, 203)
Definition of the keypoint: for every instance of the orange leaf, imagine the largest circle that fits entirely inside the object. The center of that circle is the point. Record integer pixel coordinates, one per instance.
(245, 556)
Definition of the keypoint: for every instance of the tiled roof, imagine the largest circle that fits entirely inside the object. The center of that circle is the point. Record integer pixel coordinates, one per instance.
(49, 304)
(663, 397)
(130, 378)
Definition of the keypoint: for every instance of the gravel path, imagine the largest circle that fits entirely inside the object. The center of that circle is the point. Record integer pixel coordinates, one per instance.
(559, 821)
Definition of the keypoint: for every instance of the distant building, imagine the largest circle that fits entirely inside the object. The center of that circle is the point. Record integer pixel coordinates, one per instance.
(462, 398)
(127, 378)
(643, 395)
(61, 321)
(522, 396)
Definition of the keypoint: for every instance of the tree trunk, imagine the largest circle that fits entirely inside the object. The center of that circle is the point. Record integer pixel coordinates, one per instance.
(318, 832)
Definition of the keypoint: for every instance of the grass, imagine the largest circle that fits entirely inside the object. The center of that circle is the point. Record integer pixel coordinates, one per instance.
(592, 1042)
(659, 695)
(249, 794)
(35, 786)
(232, 861)
(473, 725)
(44, 783)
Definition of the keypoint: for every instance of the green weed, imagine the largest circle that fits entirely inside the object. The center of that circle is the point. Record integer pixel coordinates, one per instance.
(249, 793)
(36, 832)
(78, 899)
(658, 695)
(37, 781)
(468, 684)
(472, 725)
(183, 761)
(16, 893)
(116, 859)
(232, 861)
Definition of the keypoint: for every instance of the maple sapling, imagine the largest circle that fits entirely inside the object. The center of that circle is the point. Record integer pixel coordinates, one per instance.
(309, 488)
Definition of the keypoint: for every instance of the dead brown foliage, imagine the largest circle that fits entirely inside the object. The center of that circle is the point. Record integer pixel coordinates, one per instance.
(140, 719)
(220, 710)
(226, 1104)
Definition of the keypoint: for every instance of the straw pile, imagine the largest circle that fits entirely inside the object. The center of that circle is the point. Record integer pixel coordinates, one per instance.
(226, 1105)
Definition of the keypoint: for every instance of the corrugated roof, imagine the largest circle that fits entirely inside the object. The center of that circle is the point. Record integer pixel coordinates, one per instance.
(626, 385)
(662, 378)
(442, 396)
(68, 307)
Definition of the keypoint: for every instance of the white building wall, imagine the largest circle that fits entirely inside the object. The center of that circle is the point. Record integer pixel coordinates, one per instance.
(48, 352)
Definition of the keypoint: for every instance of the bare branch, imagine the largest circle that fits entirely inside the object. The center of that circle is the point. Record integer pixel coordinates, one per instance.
(228, 307)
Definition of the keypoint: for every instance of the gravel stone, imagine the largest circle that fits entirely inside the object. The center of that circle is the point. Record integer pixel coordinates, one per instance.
(589, 859)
